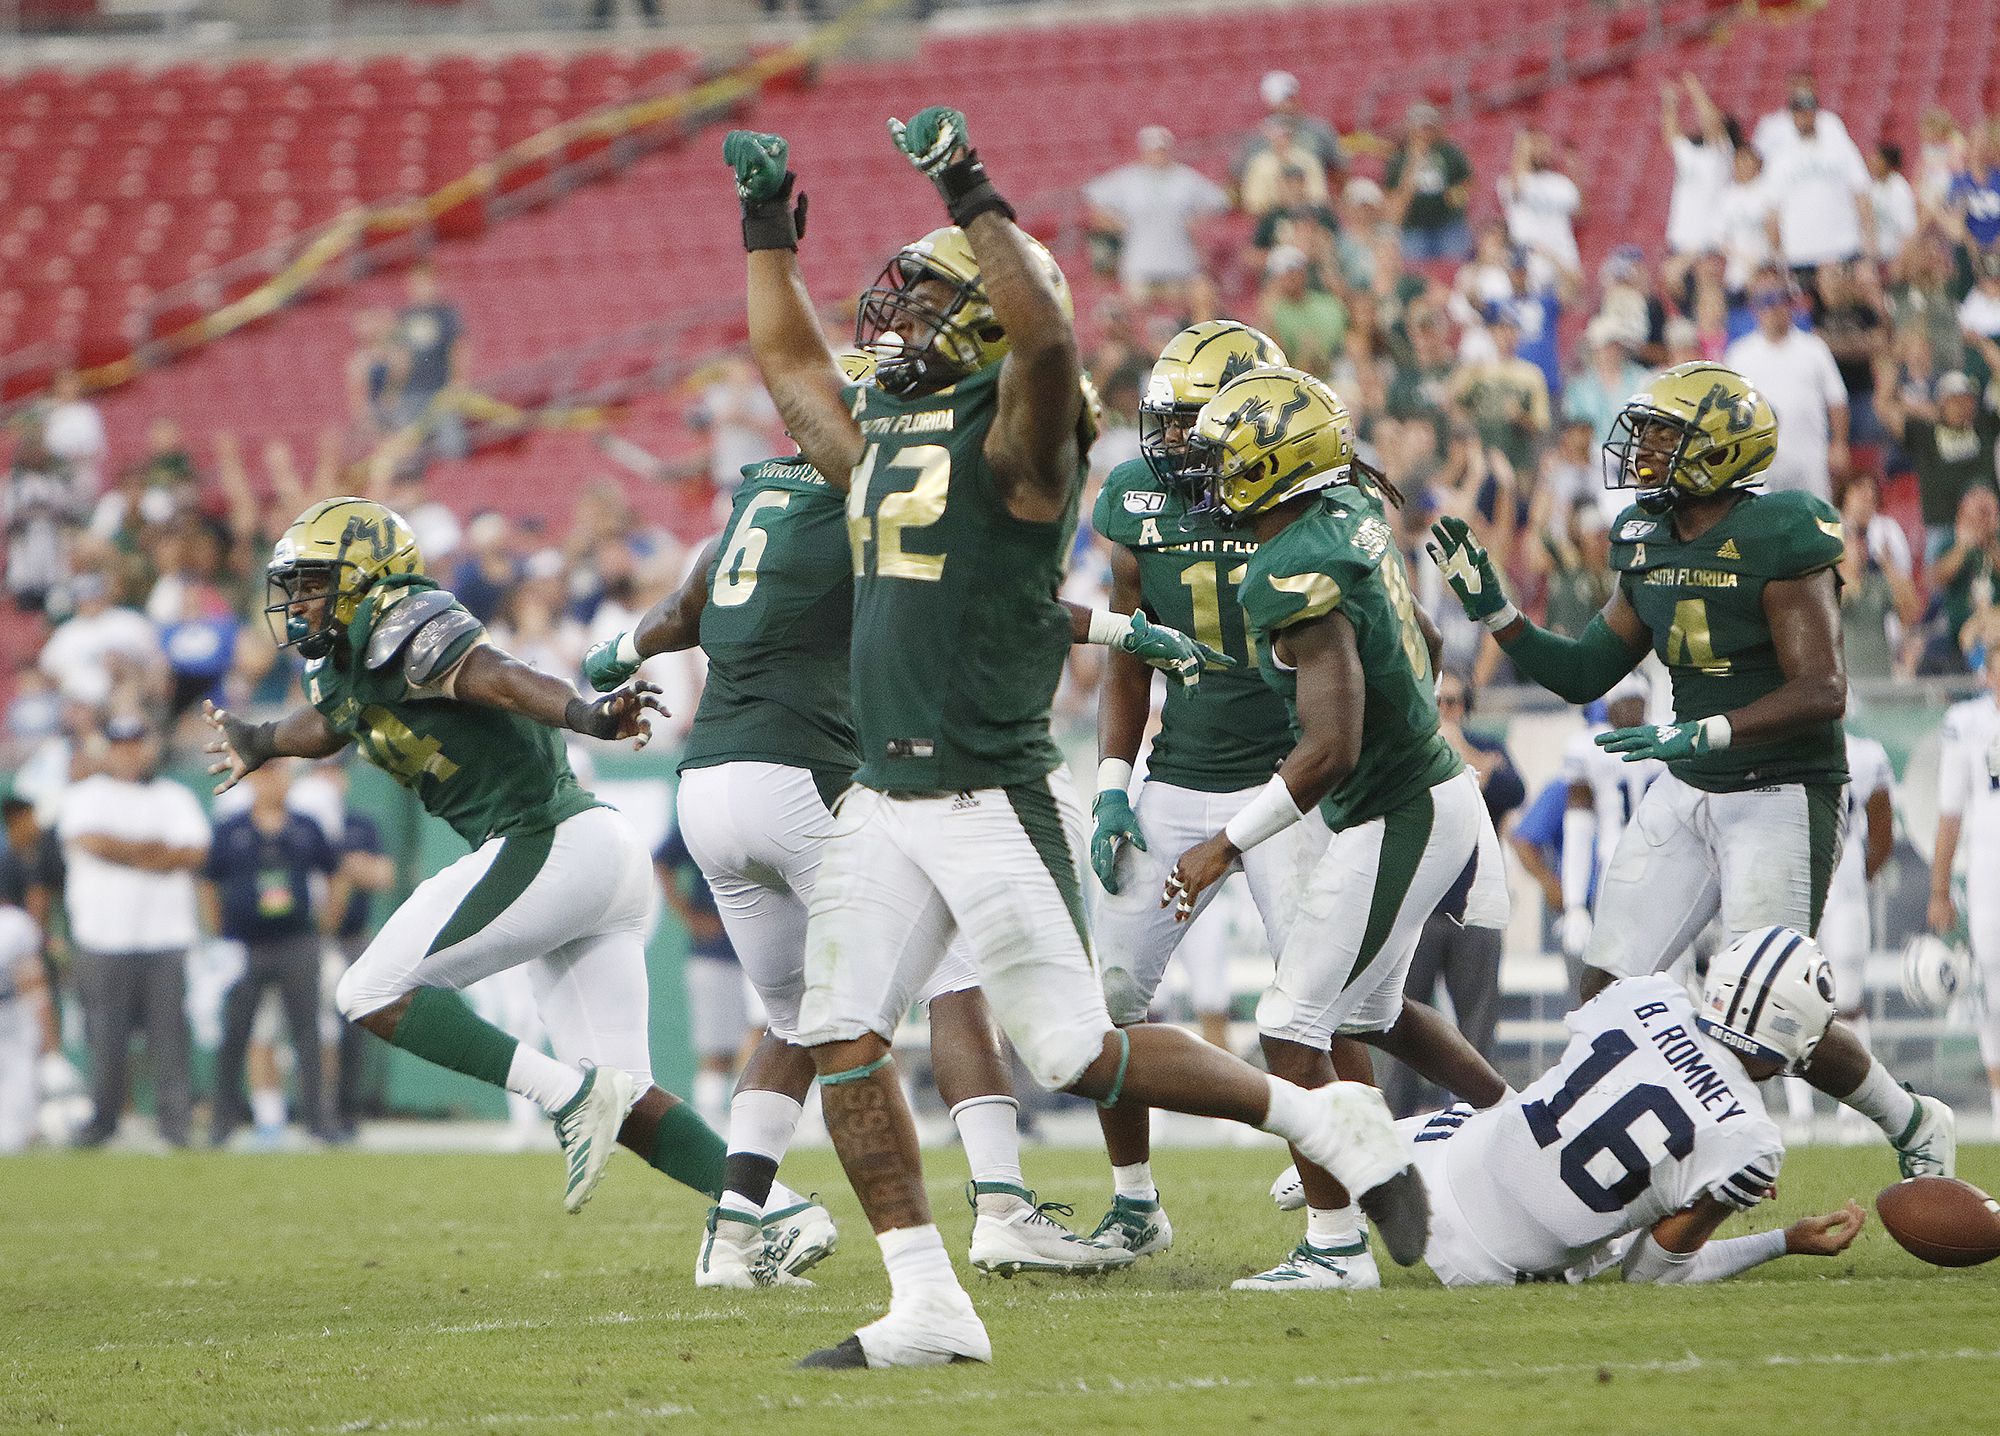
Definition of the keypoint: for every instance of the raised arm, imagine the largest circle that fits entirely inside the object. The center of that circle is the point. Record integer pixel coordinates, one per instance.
(790, 349)
(240, 748)
(1033, 443)
(672, 624)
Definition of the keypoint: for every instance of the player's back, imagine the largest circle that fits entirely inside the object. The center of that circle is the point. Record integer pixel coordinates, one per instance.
(1642, 1115)
(958, 640)
(775, 628)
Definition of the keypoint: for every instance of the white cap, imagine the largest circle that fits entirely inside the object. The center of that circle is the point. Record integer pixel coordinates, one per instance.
(1156, 137)
(1362, 190)
(1284, 259)
(1278, 86)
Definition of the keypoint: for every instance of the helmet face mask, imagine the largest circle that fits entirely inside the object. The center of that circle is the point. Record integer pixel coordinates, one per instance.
(1166, 433)
(927, 328)
(1698, 431)
(325, 564)
(1191, 370)
(1266, 438)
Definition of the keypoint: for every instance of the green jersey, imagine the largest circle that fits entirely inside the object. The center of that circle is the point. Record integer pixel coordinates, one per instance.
(1341, 554)
(1231, 730)
(958, 638)
(1703, 603)
(775, 629)
(486, 772)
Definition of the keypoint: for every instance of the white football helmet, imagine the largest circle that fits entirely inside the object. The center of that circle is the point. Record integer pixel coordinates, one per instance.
(1769, 994)
(1934, 972)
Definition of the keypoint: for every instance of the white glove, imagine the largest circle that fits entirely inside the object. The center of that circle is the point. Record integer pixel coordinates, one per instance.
(58, 1078)
(1575, 931)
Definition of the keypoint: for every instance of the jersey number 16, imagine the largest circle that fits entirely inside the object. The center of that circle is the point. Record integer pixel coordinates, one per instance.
(1610, 1134)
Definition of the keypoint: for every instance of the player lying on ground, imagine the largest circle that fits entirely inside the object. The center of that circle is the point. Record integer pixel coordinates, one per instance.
(1216, 748)
(1340, 639)
(770, 602)
(1646, 1136)
(555, 881)
(1735, 590)
(964, 465)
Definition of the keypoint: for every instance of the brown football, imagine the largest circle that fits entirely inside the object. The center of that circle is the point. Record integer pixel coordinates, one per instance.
(1941, 1220)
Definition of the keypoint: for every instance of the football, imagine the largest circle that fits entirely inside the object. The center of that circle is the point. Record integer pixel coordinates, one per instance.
(1941, 1220)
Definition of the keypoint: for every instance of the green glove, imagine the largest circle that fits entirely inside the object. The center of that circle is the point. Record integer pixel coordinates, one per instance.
(1172, 652)
(604, 668)
(760, 161)
(1470, 572)
(930, 137)
(1116, 823)
(1666, 742)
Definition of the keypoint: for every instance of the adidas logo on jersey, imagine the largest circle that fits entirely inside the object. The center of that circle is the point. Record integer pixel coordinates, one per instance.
(1728, 550)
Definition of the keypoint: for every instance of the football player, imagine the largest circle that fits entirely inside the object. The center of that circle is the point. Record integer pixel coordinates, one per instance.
(963, 466)
(555, 881)
(1735, 591)
(1646, 1136)
(770, 602)
(1604, 792)
(1969, 812)
(1339, 636)
(1216, 748)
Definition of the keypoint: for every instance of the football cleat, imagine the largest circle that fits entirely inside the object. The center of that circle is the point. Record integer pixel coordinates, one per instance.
(1357, 1142)
(800, 1236)
(1013, 1233)
(1140, 1228)
(1289, 1191)
(1309, 1268)
(587, 1127)
(936, 1329)
(737, 1256)
(1928, 1147)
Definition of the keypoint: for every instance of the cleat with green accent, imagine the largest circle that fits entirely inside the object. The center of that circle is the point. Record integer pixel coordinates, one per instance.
(1928, 1147)
(736, 1255)
(1310, 1268)
(1356, 1141)
(1013, 1233)
(1138, 1227)
(800, 1236)
(587, 1127)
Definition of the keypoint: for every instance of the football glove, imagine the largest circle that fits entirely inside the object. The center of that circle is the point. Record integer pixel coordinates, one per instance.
(1574, 931)
(935, 141)
(1116, 823)
(1667, 742)
(764, 186)
(1172, 652)
(603, 667)
(1469, 570)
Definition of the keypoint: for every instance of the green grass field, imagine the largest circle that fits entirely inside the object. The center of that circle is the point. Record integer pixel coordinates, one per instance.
(347, 1293)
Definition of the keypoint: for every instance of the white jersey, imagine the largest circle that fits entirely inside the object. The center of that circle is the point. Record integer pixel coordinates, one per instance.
(1643, 1115)
(1868, 773)
(20, 949)
(1969, 783)
(1615, 785)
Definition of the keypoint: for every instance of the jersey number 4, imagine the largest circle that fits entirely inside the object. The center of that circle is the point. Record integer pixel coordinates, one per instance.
(1607, 1147)
(879, 536)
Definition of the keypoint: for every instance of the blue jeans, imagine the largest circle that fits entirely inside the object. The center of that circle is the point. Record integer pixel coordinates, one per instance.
(1451, 241)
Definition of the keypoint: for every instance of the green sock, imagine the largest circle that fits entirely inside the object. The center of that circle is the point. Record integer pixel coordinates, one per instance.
(440, 1028)
(688, 1150)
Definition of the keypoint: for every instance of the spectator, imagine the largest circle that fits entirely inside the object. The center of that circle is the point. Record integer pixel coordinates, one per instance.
(374, 372)
(1608, 378)
(1878, 599)
(1363, 227)
(1505, 397)
(1309, 324)
(1263, 182)
(1854, 322)
(42, 510)
(1486, 280)
(1684, 344)
(1951, 448)
(741, 422)
(1302, 222)
(1892, 199)
(1979, 313)
(1746, 221)
(1796, 372)
(1708, 308)
(1430, 182)
(1922, 299)
(430, 334)
(1280, 92)
(1152, 207)
(1120, 367)
(103, 647)
(155, 491)
(1573, 559)
(132, 842)
(1964, 577)
(1940, 158)
(29, 1037)
(406, 489)
(1419, 393)
(258, 889)
(1571, 469)
(73, 433)
(532, 625)
(487, 567)
(1781, 128)
(1973, 200)
(1821, 185)
(198, 623)
(1627, 308)
(724, 1013)
(1541, 203)
(1702, 166)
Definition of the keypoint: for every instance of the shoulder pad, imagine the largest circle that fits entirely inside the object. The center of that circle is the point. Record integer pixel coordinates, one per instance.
(1631, 532)
(1305, 571)
(394, 624)
(1793, 533)
(1131, 495)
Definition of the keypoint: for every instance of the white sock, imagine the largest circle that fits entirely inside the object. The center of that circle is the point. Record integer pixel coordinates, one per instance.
(1292, 1114)
(540, 1078)
(917, 1262)
(1882, 1102)
(267, 1106)
(1798, 1099)
(1135, 1182)
(1333, 1226)
(735, 1202)
(992, 1137)
(783, 1196)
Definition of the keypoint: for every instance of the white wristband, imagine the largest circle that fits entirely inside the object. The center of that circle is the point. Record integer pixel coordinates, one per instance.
(1114, 774)
(1264, 816)
(1717, 729)
(1496, 621)
(1108, 628)
(628, 651)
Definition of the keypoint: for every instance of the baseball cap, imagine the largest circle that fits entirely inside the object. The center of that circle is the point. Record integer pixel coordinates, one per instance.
(1802, 98)
(1156, 137)
(1953, 384)
(1278, 86)
(1421, 113)
(127, 728)
(1285, 259)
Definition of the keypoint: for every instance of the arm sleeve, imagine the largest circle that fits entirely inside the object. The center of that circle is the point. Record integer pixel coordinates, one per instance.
(1576, 669)
(1745, 1188)
(1648, 1261)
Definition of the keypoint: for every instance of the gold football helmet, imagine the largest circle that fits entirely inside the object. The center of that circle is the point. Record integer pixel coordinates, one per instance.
(1266, 437)
(857, 364)
(1696, 431)
(326, 562)
(927, 319)
(1195, 364)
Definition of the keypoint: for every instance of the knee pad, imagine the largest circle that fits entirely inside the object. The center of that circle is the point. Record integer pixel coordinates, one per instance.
(1279, 1015)
(1124, 998)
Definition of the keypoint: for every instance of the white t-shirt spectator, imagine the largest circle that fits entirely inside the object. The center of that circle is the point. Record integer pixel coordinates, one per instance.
(1980, 312)
(1798, 375)
(1694, 213)
(1776, 130)
(1815, 179)
(79, 656)
(1157, 205)
(74, 433)
(114, 908)
(1541, 207)
(1888, 545)
(1742, 230)
(1895, 214)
